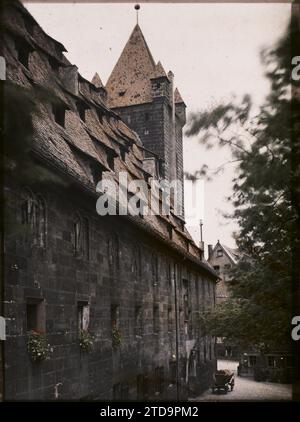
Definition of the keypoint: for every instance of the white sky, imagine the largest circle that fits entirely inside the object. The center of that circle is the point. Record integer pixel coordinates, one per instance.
(213, 50)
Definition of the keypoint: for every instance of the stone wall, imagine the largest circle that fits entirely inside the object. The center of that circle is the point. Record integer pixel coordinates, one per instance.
(123, 269)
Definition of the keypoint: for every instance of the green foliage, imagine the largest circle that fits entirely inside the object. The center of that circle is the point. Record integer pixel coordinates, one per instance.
(266, 200)
(37, 346)
(116, 337)
(86, 341)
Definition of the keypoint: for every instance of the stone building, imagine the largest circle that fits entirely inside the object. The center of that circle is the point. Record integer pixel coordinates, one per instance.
(143, 94)
(131, 287)
(223, 259)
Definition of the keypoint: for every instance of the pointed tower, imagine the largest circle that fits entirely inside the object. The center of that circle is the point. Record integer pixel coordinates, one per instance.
(142, 93)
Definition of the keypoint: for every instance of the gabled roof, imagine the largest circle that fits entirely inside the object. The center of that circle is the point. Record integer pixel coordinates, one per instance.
(129, 82)
(233, 254)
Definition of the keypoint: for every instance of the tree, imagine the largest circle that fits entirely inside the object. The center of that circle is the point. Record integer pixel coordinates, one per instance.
(266, 199)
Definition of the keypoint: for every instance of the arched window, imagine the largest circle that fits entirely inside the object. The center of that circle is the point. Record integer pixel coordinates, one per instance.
(154, 264)
(81, 237)
(113, 252)
(33, 215)
(40, 232)
(136, 266)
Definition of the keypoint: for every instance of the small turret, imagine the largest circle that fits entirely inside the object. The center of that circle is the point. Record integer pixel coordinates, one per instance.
(96, 81)
(160, 82)
(180, 107)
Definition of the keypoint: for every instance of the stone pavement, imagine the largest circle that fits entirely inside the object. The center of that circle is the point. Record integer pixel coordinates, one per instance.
(246, 389)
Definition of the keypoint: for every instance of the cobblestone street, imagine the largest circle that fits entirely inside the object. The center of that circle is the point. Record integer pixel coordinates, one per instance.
(248, 389)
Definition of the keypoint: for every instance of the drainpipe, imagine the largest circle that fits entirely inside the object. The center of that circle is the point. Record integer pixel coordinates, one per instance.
(176, 335)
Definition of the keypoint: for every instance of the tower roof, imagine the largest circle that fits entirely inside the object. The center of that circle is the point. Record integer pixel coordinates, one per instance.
(177, 97)
(97, 81)
(159, 71)
(129, 82)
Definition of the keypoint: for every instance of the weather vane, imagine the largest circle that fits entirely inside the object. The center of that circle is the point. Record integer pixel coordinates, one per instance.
(137, 8)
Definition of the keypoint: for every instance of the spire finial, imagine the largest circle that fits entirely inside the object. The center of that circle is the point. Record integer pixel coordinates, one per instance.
(137, 8)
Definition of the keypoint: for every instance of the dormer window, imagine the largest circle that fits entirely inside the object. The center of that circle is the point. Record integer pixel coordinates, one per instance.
(29, 25)
(54, 64)
(122, 93)
(110, 161)
(170, 230)
(100, 116)
(59, 111)
(81, 107)
(23, 50)
(123, 153)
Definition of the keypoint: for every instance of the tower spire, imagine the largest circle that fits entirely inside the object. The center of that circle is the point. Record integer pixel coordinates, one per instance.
(137, 8)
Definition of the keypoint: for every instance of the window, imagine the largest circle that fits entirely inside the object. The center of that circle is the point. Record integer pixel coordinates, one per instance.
(54, 64)
(110, 161)
(156, 319)
(138, 321)
(83, 316)
(99, 115)
(23, 51)
(219, 253)
(59, 111)
(29, 25)
(81, 107)
(154, 265)
(121, 93)
(33, 214)
(123, 153)
(81, 237)
(217, 268)
(35, 314)
(227, 266)
(96, 170)
(146, 132)
(170, 230)
(113, 253)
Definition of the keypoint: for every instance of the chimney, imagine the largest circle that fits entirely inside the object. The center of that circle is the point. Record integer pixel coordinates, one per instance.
(210, 249)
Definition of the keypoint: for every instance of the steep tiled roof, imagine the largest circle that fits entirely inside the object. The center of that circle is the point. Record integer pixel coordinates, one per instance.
(84, 142)
(129, 82)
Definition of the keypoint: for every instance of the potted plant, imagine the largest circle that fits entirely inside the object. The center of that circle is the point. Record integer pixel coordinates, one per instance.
(86, 340)
(116, 337)
(37, 346)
